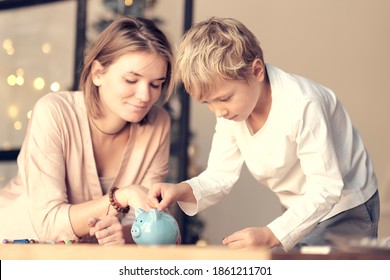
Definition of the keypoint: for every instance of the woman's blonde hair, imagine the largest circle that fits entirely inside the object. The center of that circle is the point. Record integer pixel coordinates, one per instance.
(125, 34)
(213, 50)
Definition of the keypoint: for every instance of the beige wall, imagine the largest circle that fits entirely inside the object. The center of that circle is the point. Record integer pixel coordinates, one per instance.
(344, 45)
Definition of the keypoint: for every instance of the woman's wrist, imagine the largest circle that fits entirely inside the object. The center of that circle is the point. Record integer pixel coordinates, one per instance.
(117, 201)
(122, 196)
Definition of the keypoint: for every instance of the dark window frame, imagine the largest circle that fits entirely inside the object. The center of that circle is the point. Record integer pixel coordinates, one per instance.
(11, 155)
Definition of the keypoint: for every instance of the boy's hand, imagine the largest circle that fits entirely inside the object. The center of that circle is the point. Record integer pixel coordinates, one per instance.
(161, 195)
(251, 237)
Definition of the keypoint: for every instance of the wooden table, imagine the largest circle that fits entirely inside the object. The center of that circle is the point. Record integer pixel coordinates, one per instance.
(127, 252)
(183, 252)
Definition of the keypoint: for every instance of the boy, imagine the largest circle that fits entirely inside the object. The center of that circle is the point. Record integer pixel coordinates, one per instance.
(292, 133)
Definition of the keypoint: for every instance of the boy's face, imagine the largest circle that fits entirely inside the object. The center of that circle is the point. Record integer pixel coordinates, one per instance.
(233, 100)
(236, 100)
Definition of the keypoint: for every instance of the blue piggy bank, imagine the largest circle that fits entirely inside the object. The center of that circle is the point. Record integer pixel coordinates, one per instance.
(154, 228)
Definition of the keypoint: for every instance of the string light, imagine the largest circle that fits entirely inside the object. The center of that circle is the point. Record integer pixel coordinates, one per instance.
(18, 125)
(13, 111)
(20, 72)
(10, 51)
(19, 80)
(46, 48)
(29, 113)
(11, 80)
(39, 83)
(55, 87)
(8, 46)
(6, 145)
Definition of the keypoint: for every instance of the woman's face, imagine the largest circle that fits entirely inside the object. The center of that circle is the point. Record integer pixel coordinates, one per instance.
(130, 86)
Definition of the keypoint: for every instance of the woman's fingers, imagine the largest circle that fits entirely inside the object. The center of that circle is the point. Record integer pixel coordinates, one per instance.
(107, 230)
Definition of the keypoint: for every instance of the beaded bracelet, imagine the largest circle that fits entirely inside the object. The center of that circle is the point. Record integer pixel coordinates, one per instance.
(117, 206)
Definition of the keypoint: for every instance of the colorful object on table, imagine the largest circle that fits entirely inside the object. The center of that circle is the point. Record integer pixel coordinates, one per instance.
(154, 228)
(21, 241)
(32, 241)
(17, 241)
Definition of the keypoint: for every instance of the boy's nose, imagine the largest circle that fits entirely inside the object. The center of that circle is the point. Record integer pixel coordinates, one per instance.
(221, 113)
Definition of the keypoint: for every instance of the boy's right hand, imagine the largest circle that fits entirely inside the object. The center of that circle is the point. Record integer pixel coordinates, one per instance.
(161, 195)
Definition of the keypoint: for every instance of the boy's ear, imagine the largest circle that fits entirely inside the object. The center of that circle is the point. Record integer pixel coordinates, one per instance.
(96, 72)
(258, 69)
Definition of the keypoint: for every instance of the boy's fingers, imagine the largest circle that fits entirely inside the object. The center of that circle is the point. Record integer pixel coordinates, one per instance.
(154, 197)
(162, 205)
(153, 202)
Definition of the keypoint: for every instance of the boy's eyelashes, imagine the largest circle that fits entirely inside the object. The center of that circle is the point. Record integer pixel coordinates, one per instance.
(224, 99)
(221, 99)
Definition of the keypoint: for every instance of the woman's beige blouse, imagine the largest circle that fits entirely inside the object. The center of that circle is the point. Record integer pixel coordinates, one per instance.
(57, 167)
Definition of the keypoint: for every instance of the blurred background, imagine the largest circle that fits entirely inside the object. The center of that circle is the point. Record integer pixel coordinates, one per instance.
(341, 44)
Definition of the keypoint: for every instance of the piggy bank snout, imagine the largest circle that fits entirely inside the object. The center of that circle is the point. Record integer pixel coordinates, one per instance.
(136, 231)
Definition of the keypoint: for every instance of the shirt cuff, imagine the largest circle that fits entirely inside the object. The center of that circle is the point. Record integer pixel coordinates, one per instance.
(285, 241)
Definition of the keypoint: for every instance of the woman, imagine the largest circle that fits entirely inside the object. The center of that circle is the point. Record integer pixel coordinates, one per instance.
(87, 154)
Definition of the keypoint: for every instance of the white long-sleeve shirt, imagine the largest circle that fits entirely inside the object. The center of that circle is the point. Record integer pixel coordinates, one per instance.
(308, 153)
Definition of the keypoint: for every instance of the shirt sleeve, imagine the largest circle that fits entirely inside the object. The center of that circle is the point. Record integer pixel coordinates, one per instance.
(223, 170)
(324, 182)
(44, 172)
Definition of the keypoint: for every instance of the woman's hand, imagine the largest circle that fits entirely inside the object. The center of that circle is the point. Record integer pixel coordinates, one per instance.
(251, 237)
(133, 196)
(107, 231)
(137, 196)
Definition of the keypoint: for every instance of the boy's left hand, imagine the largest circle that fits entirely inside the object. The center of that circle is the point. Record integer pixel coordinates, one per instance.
(251, 237)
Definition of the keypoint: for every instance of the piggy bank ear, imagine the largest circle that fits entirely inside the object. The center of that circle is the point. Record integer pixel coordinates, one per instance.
(139, 211)
(155, 214)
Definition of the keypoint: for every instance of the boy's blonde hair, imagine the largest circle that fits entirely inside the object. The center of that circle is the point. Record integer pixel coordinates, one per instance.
(213, 50)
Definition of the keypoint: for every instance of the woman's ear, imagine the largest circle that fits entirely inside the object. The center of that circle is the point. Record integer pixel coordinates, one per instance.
(258, 69)
(96, 72)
